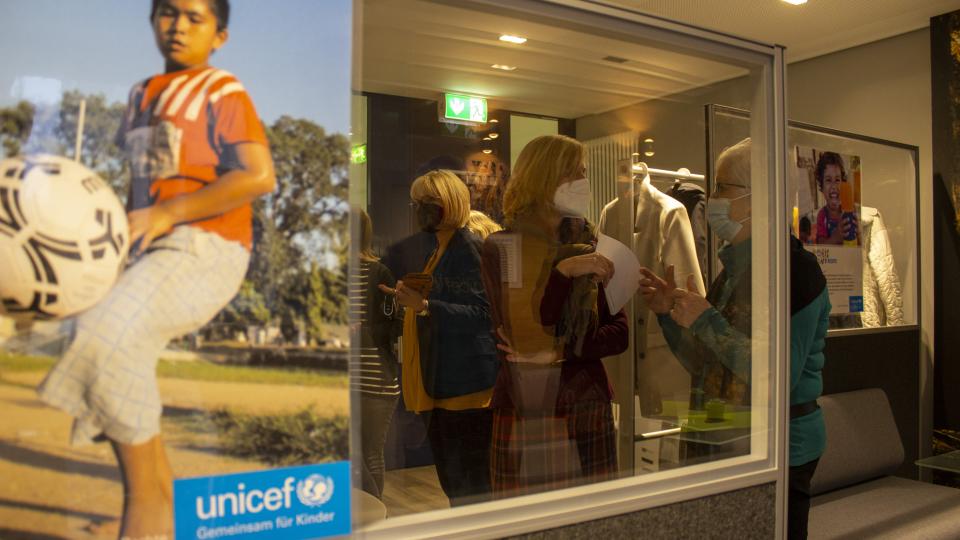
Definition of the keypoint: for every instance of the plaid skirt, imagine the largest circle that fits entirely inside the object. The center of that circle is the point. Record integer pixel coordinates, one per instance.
(534, 453)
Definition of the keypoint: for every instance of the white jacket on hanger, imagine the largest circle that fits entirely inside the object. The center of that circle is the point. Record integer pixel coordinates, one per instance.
(661, 236)
(882, 296)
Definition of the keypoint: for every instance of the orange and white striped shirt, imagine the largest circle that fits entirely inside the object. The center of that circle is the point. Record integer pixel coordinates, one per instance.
(180, 133)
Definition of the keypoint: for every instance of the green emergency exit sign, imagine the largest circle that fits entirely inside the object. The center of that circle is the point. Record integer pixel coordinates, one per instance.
(465, 108)
(358, 154)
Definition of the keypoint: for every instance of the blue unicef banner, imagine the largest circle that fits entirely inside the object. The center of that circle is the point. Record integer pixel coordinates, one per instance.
(312, 501)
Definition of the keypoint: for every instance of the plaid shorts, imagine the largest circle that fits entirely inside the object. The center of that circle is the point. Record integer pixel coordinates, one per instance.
(107, 377)
(534, 453)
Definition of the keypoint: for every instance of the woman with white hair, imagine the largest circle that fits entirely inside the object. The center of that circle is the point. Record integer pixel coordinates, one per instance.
(711, 335)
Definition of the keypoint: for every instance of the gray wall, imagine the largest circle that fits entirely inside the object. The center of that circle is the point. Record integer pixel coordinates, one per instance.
(882, 89)
(676, 123)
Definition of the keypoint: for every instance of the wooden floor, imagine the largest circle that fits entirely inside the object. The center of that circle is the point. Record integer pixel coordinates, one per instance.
(414, 490)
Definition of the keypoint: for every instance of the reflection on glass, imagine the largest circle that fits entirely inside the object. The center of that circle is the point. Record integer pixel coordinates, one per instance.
(374, 367)
(449, 360)
(848, 184)
(710, 335)
(590, 383)
(553, 423)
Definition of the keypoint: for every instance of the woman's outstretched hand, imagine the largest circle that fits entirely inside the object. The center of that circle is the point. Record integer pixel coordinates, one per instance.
(657, 291)
(688, 305)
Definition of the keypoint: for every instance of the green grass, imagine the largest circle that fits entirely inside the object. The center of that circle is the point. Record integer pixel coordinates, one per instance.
(19, 363)
(204, 371)
(200, 371)
(284, 439)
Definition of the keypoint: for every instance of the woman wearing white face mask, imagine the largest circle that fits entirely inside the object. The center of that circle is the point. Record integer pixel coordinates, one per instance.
(553, 423)
(711, 336)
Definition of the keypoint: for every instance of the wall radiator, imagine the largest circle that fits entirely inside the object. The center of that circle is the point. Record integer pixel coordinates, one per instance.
(602, 156)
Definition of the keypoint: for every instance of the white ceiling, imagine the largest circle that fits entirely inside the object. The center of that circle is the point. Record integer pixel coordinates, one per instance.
(812, 29)
(420, 49)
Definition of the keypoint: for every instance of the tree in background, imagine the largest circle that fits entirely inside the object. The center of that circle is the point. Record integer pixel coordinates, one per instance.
(247, 308)
(15, 127)
(28, 129)
(300, 234)
(296, 275)
(325, 299)
(99, 150)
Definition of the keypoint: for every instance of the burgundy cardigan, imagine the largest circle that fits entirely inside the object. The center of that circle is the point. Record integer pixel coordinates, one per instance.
(582, 378)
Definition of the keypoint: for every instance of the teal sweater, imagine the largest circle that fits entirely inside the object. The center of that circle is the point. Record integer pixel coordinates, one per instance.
(808, 332)
(729, 344)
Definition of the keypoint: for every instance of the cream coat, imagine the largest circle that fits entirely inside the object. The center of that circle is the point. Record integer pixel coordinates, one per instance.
(661, 237)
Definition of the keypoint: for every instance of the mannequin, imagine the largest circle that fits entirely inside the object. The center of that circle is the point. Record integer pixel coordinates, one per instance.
(661, 237)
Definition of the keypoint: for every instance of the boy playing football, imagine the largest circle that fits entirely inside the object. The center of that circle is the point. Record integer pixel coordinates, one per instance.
(198, 157)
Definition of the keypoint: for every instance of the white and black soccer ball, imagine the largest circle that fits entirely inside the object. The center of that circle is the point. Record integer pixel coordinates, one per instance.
(63, 237)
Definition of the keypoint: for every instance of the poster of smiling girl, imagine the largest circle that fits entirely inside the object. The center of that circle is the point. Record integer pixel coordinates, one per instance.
(827, 218)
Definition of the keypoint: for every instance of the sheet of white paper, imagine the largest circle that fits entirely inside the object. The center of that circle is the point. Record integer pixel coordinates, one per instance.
(626, 275)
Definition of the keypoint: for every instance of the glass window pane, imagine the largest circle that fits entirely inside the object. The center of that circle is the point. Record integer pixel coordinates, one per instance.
(527, 357)
(881, 179)
(873, 276)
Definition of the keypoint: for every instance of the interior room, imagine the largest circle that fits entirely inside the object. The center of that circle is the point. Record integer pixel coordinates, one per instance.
(428, 67)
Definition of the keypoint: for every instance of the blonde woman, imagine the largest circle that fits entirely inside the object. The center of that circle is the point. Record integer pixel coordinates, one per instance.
(449, 355)
(481, 225)
(553, 424)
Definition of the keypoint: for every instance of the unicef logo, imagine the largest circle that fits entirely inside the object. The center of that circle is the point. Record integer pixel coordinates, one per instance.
(315, 490)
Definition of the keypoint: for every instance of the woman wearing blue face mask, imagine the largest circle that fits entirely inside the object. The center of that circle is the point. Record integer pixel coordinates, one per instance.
(711, 336)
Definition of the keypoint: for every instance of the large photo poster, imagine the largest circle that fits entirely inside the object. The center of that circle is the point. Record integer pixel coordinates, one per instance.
(173, 252)
(827, 219)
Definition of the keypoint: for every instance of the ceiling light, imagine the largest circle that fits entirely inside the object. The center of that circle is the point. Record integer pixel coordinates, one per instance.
(648, 147)
(796, 2)
(487, 139)
(493, 135)
(494, 121)
(487, 151)
(513, 39)
(504, 67)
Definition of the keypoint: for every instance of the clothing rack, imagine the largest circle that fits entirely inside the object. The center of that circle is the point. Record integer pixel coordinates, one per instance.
(683, 174)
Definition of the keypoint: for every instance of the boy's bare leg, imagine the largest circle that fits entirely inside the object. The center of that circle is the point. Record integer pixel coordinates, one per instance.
(147, 490)
(165, 470)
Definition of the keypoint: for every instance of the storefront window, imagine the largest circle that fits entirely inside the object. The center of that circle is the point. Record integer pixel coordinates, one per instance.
(534, 204)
